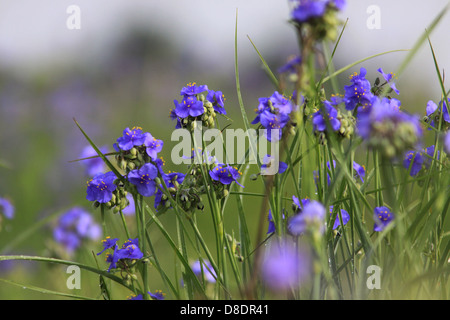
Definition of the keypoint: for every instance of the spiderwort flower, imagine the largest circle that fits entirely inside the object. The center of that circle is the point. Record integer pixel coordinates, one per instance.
(95, 164)
(108, 243)
(143, 179)
(153, 146)
(189, 106)
(383, 217)
(433, 111)
(388, 129)
(305, 10)
(312, 217)
(447, 142)
(271, 227)
(388, 77)
(157, 295)
(204, 269)
(192, 89)
(217, 99)
(328, 113)
(73, 226)
(6, 208)
(225, 174)
(130, 250)
(285, 267)
(101, 187)
(359, 92)
(268, 162)
(337, 222)
(131, 138)
(360, 170)
(418, 160)
(291, 65)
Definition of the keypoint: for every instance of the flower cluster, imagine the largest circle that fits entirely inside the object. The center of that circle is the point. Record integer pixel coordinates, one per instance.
(319, 15)
(434, 113)
(75, 226)
(273, 113)
(196, 106)
(137, 156)
(388, 129)
(123, 258)
(415, 161)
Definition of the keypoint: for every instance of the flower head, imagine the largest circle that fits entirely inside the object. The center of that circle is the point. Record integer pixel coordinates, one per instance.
(447, 142)
(189, 106)
(388, 77)
(108, 243)
(327, 114)
(312, 217)
(6, 208)
(204, 269)
(434, 112)
(143, 179)
(225, 174)
(73, 226)
(101, 187)
(129, 251)
(153, 146)
(285, 267)
(359, 92)
(192, 89)
(268, 163)
(345, 218)
(217, 99)
(95, 164)
(387, 128)
(383, 217)
(131, 138)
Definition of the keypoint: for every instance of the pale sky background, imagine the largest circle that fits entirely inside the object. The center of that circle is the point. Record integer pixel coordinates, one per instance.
(33, 34)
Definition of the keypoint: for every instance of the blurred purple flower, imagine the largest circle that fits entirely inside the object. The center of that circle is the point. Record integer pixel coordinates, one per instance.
(7, 208)
(73, 227)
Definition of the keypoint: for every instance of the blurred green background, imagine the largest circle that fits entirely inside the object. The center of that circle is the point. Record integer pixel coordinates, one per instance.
(124, 68)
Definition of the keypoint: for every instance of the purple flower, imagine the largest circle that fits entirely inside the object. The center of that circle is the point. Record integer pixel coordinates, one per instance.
(170, 179)
(413, 160)
(311, 217)
(327, 114)
(95, 164)
(130, 250)
(74, 226)
(388, 77)
(417, 160)
(359, 93)
(433, 111)
(101, 187)
(308, 9)
(204, 269)
(192, 89)
(383, 217)
(387, 128)
(153, 146)
(285, 267)
(225, 174)
(273, 123)
(158, 295)
(271, 227)
(217, 99)
(281, 103)
(268, 162)
(130, 139)
(143, 179)
(6, 208)
(189, 106)
(447, 142)
(291, 65)
(108, 243)
(345, 218)
(273, 114)
(360, 170)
